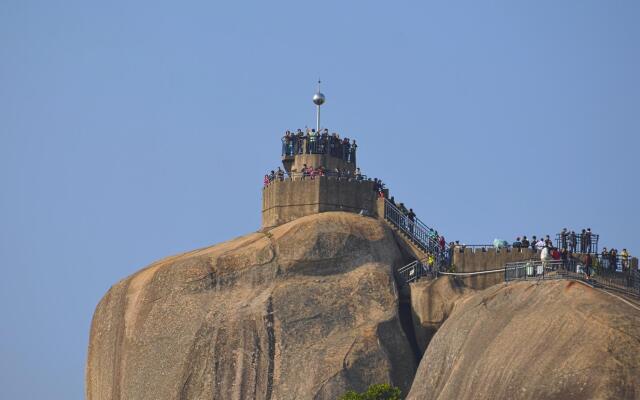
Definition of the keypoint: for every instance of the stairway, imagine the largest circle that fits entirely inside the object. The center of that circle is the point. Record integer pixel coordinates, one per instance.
(418, 237)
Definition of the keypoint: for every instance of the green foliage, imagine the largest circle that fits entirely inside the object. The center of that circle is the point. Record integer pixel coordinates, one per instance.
(382, 391)
(351, 395)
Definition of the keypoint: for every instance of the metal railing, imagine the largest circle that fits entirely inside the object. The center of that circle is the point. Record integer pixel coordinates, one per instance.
(319, 144)
(299, 176)
(578, 243)
(627, 281)
(421, 234)
(416, 270)
(536, 269)
(618, 264)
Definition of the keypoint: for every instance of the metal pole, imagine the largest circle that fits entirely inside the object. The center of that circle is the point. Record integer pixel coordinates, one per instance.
(318, 120)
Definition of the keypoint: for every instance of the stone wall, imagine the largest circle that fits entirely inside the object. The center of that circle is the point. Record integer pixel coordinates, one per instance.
(330, 163)
(284, 201)
(477, 259)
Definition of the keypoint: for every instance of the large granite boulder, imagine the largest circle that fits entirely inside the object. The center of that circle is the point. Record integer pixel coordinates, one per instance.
(530, 340)
(306, 310)
(432, 301)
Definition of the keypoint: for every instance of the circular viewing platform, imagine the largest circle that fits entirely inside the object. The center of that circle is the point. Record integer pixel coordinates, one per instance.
(293, 197)
(318, 149)
(320, 174)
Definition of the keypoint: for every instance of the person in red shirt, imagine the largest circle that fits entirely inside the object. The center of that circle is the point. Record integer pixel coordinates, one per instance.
(555, 255)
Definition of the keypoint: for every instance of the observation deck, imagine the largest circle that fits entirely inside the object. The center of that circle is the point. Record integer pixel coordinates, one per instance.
(318, 150)
(320, 174)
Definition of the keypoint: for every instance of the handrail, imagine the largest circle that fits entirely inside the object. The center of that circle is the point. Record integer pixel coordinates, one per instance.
(319, 144)
(416, 270)
(416, 229)
(292, 176)
(627, 281)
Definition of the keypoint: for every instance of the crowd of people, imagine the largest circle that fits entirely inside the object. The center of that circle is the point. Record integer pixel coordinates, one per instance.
(310, 172)
(570, 244)
(609, 259)
(584, 241)
(312, 142)
(534, 243)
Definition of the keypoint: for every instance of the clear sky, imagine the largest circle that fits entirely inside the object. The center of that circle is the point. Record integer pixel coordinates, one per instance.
(133, 130)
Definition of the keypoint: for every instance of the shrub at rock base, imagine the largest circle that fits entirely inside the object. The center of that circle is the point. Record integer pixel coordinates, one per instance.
(382, 391)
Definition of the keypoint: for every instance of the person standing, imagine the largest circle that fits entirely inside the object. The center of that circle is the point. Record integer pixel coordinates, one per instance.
(572, 241)
(352, 156)
(307, 142)
(517, 244)
(545, 257)
(412, 217)
(313, 136)
(587, 238)
(624, 259)
(563, 238)
(285, 140)
(613, 260)
(299, 141)
(346, 148)
(332, 144)
(324, 140)
(587, 266)
(403, 215)
(533, 242)
(565, 259)
(431, 260)
(604, 259)
(583, 240)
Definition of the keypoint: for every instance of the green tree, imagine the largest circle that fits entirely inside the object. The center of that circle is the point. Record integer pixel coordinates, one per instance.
(382, 391)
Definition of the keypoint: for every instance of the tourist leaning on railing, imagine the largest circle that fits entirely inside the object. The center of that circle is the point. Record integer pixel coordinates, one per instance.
(624, 259)
(313, 142)
(311, 172)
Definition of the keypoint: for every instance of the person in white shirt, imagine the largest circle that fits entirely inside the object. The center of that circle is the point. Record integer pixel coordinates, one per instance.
(545, 257)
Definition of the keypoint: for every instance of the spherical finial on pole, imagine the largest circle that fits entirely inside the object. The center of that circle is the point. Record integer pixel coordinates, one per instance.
(318, 100)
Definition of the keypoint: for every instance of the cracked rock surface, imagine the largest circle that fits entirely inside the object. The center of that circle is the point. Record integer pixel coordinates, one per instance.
(306, 310)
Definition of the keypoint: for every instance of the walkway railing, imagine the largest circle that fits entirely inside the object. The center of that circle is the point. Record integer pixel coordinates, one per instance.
(626, 281)
(536, 269)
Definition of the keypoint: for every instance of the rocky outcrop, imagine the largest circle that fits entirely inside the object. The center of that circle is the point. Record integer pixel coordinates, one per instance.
(309, 310)
(306, 310)
(528, 340)
(432, 302)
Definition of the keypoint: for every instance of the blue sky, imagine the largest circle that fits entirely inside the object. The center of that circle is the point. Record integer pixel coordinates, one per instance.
(130, 131)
